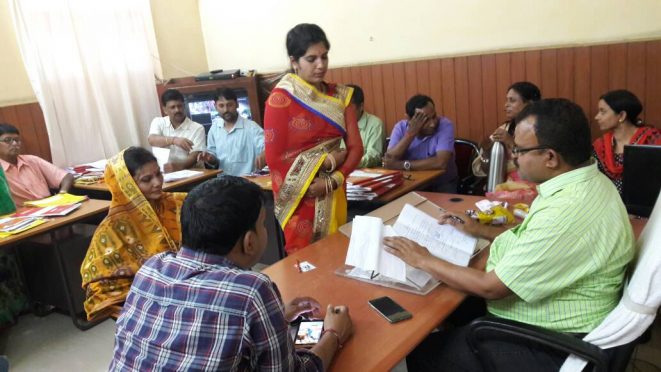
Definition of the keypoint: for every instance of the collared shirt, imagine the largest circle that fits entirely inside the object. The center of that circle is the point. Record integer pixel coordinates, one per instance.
(31, 178)
(237, 149)
(197, 311)
(373, 134)
(566, 261)
(427, 147)
(188, 129)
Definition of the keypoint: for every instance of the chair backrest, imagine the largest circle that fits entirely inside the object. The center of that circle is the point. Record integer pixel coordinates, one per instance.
(464, 153)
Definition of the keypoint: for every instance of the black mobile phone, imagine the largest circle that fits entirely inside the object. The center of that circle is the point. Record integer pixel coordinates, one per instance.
(390, 309)
(308, 333)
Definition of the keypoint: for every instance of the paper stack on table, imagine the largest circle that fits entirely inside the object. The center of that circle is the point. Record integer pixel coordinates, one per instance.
(370, 183)
(180, 175)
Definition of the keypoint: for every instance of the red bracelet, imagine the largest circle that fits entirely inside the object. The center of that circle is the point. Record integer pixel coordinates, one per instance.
(331, 330)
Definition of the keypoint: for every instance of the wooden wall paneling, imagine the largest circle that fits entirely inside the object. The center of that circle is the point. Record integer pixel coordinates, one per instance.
(462, 120)
(401, 95)
(652, 99)
(41, 130)
(366, 84)
(379, 106)
(635, 73)
(518, 66)
(534, 67)
(29, 136)
(356, 76)
(598, 82)
(582, 91)
(490, 96)
(617, 66)
(389, 97)
(29, 120)
(549, 71)
(330, 75)
(503, 81)
(436, 85)
(566, 73)
(449, 93)
(476, 114)
(422, 74)
(410, 80)
(346, 75)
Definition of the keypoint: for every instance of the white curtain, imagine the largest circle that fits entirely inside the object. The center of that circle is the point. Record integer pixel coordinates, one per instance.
(92, 65)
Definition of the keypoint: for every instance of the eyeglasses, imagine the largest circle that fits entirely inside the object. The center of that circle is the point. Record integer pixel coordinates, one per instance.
(10, 140)
(520, 151)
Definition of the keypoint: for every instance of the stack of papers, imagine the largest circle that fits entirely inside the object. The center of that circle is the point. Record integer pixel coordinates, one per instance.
(367, 252)
(370, 183)
(180, 175)
(52, 211)
(56, 200)
(14, 225)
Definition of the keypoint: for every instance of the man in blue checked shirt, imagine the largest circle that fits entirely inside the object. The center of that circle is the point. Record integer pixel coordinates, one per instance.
(203, 309)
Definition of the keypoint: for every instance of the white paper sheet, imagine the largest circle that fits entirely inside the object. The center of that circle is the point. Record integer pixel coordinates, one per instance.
(180, 175)
(365, 243)
(162, 156)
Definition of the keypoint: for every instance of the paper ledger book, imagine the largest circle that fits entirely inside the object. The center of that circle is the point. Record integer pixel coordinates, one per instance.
(368, 260)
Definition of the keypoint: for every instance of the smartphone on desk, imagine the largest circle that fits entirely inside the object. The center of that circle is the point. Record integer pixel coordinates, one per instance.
(389, 309)
(308, 333)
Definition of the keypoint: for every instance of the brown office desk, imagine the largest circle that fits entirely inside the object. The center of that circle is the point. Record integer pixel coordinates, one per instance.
(262, 181)
(376, 344)
(177, 185)
(88, 209)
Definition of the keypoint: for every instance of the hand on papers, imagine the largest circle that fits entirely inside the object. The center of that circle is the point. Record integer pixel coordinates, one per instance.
(407, 250)
(206, 157)
(182, 142)
(307, 307)
(468, 226)
(337, 318)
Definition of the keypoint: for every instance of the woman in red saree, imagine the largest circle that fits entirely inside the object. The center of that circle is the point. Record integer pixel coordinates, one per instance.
(305, 121)
(617, 114)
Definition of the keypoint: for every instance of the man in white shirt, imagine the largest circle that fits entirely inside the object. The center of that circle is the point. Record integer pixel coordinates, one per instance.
(235, 144)
(184, 137)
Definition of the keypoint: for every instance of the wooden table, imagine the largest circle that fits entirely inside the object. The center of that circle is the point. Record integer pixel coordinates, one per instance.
(88, 209)
(376, 344)
(178, 185)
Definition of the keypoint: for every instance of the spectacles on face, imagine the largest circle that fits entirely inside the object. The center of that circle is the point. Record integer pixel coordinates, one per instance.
(518, 151)
(10, 140)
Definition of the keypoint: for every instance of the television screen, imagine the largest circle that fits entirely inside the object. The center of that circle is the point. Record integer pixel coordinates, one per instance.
(201, 108)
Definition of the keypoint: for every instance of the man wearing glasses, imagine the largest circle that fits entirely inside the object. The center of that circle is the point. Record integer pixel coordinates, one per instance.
(561, 269)
(29, 177)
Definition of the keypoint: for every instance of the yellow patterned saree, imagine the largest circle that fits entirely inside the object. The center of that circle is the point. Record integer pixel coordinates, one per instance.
(130, 234)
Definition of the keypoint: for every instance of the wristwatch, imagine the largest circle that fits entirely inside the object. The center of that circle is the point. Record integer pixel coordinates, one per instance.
(407, 165)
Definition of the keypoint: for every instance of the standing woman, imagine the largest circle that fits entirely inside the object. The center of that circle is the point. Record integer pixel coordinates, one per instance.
(304, 123)
(617, 114)
(142, 221)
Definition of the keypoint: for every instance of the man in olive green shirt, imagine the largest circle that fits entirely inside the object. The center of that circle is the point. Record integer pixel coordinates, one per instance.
(371, 130)
(561, 269)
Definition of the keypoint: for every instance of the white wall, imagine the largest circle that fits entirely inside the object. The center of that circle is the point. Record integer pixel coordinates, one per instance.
(251, 33)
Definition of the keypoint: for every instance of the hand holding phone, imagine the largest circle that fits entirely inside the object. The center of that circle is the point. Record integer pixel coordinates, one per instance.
(308, 333)
(337, 318)
(389, 309)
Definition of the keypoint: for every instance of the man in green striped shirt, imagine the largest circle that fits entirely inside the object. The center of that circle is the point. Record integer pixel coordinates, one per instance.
(562, 268)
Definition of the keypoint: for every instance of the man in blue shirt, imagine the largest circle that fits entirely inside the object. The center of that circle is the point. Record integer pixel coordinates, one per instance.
(234, 143)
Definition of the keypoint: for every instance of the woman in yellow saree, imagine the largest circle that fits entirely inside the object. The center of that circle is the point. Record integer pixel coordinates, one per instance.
(142, 221)
(304, 123)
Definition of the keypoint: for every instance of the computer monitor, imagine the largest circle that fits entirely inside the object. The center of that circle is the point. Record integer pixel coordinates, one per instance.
(201, 108)
(641, 179)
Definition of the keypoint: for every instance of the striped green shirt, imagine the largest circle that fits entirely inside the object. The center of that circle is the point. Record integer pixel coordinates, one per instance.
(565, 263)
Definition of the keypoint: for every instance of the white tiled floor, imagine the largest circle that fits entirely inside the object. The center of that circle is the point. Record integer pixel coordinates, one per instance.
(54, 344)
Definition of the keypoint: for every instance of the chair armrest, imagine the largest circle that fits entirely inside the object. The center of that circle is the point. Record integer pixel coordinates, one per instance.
(491, 328)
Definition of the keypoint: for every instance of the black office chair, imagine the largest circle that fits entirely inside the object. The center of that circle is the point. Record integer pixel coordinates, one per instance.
(465, 151)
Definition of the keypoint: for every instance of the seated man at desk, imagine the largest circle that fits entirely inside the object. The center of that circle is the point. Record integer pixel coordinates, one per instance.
(234, 144)
(209, 310)
(372, 131)
(29, 177)
(561, 269)
(184, 137)
(424, 141)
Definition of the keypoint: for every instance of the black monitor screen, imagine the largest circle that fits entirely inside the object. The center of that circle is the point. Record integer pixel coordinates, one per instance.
(201, 108)
(641, 179)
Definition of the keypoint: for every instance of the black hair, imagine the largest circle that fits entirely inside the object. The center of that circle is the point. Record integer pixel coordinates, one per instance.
(217, 213)
(171, 95)
(226, 93)
(302, 36)
(561, 125)
(416, 102)
(136, 157)
(8, 129)
(527, 90)
(623, 100)
(358, 97)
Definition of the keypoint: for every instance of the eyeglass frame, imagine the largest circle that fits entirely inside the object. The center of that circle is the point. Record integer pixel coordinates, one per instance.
(10, 140)
(520, 151)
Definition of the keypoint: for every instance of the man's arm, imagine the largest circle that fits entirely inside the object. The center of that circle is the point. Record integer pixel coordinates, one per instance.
(66, 183)
(438, 161)
(164, 141)
(465, 279)
(190, 161)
